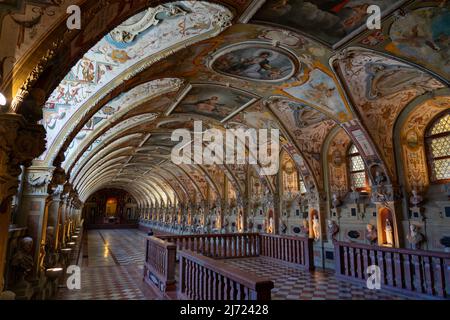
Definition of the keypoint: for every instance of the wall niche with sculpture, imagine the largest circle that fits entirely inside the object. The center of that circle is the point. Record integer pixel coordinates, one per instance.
(293, 203)
(110, 208)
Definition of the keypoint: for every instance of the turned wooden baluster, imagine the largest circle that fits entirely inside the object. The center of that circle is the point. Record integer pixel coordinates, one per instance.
(429, 278)
(399, 275)
(418, 274)
(359, 264)
(389, 269)
(365, 258)
(439, 274)
(408, 268)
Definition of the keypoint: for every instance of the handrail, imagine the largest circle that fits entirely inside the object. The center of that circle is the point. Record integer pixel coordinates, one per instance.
(159, 267)
(291, 249)
(203, 278)
(417, 272)
(220, 246)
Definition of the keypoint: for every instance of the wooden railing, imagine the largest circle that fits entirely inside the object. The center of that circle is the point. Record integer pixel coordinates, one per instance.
(159, 267)
(203, 278)
(294, 250)
(421, 273)
(219, 246)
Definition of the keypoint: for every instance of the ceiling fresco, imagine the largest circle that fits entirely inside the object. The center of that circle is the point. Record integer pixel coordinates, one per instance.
(214, 101)
(332, 22)
(101, 66)
(110, 119)
(418, 33)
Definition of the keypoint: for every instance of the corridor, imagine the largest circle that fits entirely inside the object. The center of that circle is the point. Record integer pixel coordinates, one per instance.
(112, 267)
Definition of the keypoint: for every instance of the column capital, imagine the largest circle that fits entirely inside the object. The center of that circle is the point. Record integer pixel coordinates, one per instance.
(20, 143)
(37, 180)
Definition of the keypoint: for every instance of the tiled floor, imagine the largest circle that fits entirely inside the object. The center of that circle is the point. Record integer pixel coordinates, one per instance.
(112, 267)
(295, 284)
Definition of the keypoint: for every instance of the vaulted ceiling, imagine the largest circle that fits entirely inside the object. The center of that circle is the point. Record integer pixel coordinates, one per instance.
(110, 95)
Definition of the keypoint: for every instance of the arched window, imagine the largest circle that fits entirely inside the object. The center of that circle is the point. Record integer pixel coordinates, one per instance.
(438, 148)
(357, 171)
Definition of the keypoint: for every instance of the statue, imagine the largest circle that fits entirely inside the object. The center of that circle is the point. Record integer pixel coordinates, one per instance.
(50, 258)
(22, 262)
(414, 237)
(389, 233)
(316, 228)
(304, 229)
(270, 228)
(379, 177)
(416, 198)
(333, 229)
(283, 227)
(354, 195)
(371, 233)
(250, 225)
(336, 201)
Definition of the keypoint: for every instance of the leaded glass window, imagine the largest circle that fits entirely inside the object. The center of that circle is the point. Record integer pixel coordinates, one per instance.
(357, 172)
(438, 145)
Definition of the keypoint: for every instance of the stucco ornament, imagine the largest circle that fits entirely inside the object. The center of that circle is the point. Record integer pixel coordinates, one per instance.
(131, 28)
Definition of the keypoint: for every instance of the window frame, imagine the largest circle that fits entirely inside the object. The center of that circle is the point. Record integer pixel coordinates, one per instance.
(428, 139)
(349, 157)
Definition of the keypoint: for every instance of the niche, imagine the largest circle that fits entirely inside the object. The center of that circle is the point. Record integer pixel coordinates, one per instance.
(386, 228)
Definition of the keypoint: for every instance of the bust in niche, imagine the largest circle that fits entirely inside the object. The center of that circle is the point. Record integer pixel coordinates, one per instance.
(380, 178)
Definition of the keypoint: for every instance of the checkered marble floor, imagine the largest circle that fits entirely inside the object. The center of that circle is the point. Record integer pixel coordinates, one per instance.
(295, 284)
(112, 268)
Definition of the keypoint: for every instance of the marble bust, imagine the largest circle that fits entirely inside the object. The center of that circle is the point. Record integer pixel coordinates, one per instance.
(414, 237)
(371, 233)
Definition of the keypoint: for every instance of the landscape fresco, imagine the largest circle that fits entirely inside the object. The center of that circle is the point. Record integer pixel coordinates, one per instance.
(259, 63)
(332, 22)
(213, 101)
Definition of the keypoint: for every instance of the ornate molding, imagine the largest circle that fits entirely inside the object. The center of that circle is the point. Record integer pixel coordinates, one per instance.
(129, 30)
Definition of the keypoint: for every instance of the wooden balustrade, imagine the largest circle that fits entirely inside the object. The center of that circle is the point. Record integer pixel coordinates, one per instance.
(159, 267)
(203, 278)
(219, 246)
(422, 273)
(294, 250)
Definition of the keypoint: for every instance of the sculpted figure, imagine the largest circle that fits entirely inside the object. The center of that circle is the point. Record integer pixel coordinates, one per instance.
(22, 261)
(389, 234)
(336, 201)
(416, 198)
(414, 237)
(316, 228)
(333, 229)
(304, 229)
(371, 234)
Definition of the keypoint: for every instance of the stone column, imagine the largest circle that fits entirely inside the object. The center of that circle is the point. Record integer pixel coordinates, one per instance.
(54, 213)
(20, 143)
(34, 208)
